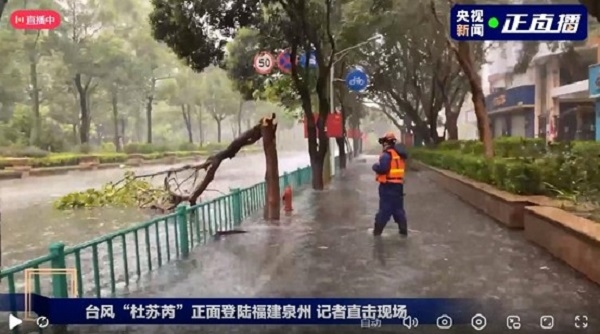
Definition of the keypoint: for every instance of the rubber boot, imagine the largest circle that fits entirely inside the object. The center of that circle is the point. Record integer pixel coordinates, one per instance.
(377, 229)
(403, 230)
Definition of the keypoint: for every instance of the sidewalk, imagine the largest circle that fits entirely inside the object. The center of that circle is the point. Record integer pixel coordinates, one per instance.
(325, 249)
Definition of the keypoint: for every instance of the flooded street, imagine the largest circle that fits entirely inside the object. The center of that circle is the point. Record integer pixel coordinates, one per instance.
(326, 249)
(30, 223)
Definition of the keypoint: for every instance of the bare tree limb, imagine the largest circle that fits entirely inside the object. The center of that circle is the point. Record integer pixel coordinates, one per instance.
(210, 166)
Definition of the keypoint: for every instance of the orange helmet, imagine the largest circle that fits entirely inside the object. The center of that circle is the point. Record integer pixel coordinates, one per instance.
(389, 137)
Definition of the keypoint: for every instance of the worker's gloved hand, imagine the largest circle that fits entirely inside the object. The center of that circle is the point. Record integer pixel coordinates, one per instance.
(375, 166)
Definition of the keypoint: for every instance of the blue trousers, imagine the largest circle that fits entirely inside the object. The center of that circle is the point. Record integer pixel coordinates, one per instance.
(391, 205)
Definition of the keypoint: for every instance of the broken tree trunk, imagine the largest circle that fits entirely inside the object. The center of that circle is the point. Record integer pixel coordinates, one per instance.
(211, 165)
(272, 193)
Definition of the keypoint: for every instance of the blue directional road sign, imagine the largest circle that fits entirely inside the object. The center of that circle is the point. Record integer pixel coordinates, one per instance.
(357, 80)
(312, 61)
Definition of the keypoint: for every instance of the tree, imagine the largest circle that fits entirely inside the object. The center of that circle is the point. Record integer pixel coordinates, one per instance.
(218, 96)
(90, 81)
(593, 8)
(466, 55)
(185, 93)
(299, 25)
(240, 68)
(414, 74)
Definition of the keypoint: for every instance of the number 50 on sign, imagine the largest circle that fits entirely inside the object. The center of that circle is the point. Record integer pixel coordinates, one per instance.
(263, 63)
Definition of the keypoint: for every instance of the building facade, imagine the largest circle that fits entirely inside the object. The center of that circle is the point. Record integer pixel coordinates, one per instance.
(511, 101)
(551, 100)
(564, 109)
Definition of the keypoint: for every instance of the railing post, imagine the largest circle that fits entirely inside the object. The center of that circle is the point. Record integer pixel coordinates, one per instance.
(299, 176)
(286, 180)
(236, 196)
(59, 279)
(182, 224)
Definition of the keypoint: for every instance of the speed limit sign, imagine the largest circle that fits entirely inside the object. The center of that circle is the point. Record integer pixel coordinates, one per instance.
(263, 63)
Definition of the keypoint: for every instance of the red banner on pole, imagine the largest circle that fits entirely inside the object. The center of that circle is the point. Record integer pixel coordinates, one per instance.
(334, 125)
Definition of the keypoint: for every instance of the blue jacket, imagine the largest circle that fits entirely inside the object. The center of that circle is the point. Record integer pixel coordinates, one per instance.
(385, 160)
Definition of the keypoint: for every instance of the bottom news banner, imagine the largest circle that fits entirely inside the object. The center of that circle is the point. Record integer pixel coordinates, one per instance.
(243, 311)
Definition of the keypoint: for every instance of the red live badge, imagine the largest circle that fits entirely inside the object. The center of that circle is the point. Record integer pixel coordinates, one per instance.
(35, 19)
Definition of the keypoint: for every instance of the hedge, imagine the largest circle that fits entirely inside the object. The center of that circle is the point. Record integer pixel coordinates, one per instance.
(72, 159)
(139, 148)
(523, 166)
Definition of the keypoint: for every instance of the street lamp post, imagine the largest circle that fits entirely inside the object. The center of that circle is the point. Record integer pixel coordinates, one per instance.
(337, 57)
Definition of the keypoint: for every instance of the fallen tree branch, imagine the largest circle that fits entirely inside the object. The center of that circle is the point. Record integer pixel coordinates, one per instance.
(211, 165)
(137, 190)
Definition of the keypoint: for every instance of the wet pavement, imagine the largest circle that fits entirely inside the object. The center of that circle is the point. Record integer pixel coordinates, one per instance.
(325, 249)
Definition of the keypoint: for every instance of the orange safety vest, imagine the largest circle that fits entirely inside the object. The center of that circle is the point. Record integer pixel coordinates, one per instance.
(396, 173)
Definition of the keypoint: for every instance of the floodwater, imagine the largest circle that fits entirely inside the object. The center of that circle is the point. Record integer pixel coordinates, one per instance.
(30, 223)
(326, 249)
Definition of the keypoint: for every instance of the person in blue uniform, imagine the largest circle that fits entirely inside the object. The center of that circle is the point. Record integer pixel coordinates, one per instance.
(390, 175)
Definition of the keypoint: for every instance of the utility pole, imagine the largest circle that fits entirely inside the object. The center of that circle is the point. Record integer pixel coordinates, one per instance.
(2, 5)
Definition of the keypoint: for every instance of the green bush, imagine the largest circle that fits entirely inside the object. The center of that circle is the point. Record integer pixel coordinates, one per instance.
(142, 148)
(107, 158)
(23, 152)
(213, 147)
(57, 160)
(3, 163)
(108, 147)
(513, 175)
(524, 166)
(84, 148)
(186, 147)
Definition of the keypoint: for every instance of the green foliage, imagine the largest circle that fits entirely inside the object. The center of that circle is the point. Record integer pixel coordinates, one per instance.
(126, 77)
(145, 148)
(16, 151)
(130, 192)
(213, 147)
(504, 147)
(524, 166)
(108, 147)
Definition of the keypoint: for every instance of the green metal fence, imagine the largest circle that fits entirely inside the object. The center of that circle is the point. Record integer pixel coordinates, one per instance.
(114, 261)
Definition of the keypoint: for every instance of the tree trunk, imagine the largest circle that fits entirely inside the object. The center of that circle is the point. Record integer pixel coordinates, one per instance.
(2, 6)
(233, 129)
(149, 103)
(115, 119)
(323, 146)
(123, 138)
(272, 193)
(36, 130)
(74, 132)
(187, 119)
(316, 163)
(355, 126)
(218, 120)
(200, 128)
(465, 58)
(239, 118)
(341, 143)
(84, 129)
(451, 125)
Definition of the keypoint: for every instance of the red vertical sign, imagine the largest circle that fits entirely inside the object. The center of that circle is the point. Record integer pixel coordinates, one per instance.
(334, 125)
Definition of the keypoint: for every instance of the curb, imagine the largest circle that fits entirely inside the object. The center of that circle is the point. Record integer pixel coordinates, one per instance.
(573, 239)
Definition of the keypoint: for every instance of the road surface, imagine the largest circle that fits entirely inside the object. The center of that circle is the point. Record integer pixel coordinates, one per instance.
(325, 249)
(30, 224)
